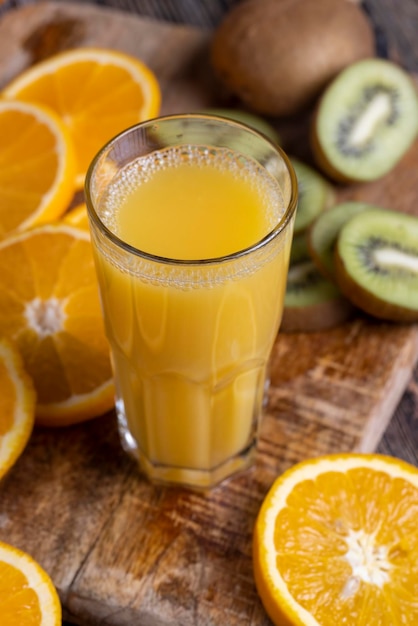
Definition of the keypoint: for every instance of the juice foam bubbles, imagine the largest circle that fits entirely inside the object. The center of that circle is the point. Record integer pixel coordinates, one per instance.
(191, 342)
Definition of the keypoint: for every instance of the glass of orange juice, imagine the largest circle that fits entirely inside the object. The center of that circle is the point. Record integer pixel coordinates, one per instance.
(191, 219)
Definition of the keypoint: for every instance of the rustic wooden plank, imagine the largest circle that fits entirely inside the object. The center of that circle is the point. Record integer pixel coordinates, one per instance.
(176, 53)
(120, 550)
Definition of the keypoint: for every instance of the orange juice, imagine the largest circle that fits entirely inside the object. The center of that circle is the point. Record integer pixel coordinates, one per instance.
(192, 318)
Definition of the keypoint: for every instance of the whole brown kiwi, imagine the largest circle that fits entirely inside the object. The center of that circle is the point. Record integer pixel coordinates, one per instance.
(278, 55)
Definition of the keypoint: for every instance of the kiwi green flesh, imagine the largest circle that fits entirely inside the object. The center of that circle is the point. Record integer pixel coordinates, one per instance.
(249, 119)
(315, 195)
(376, 264)
(323, 234)
(311, 301)
(366, 120)
(306, 286)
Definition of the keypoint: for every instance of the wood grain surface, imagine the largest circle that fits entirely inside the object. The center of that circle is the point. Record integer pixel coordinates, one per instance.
(121, 551)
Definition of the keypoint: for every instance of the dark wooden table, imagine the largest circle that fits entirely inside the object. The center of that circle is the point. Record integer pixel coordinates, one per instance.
(396, 24)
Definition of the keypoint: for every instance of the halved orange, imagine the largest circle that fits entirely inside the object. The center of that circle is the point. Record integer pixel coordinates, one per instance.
(17, 407)
(49, 306)
(336, 543)
(97, 93)
(37, 166)
(28, 596)
(78, 217)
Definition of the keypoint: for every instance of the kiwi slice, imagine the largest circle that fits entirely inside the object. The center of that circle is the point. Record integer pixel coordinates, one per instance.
(312, 302)
(323, 233)
(376, 263)
(299, 250)
(315, 195)
(253, 121)
(365, 122)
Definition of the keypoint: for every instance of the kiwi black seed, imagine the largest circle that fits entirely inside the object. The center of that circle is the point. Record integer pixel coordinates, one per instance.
(366, 120)
(323, 233)
(376, 263)
(312, 303)
(315, 195)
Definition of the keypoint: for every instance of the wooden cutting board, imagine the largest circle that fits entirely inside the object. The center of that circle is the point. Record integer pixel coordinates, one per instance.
(120, 551)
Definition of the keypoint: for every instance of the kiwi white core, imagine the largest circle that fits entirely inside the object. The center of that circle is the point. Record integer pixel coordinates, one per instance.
(376, 113)
(396, 258)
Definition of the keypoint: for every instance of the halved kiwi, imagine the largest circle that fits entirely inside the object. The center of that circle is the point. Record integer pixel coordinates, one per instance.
(323, 233)
(365, 122)
(315, 195)
(253, 121)
(376, 264)
(312, 303)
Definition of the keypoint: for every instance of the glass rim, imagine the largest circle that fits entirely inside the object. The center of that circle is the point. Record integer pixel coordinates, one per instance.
(258, 245)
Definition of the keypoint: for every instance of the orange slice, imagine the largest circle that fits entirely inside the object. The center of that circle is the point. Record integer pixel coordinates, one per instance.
(28, 596)
(336, 543)
(17, 407)
(97, 93)
(78, 217)
(49, 306)
(37, 166)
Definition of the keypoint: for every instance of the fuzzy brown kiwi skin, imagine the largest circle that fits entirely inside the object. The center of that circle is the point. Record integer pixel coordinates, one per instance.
(366, 301)
(278, 56)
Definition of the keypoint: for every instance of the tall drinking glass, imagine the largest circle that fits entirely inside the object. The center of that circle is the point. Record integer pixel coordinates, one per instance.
(191, 221)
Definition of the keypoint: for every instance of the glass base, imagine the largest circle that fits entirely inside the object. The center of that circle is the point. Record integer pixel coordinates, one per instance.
(196, 479)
